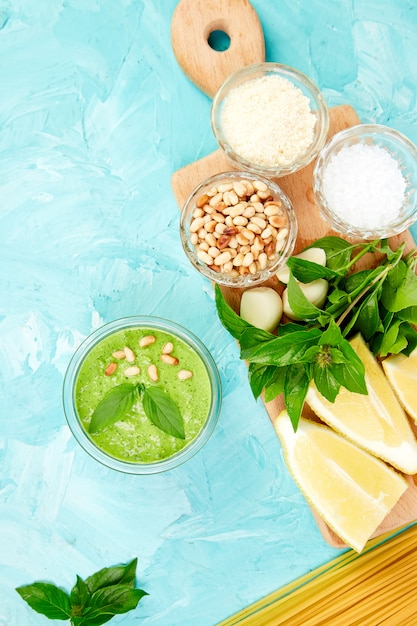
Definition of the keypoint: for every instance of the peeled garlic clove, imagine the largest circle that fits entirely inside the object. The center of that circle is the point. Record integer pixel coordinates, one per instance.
(261, 307)
(315, 255)
(315, 292)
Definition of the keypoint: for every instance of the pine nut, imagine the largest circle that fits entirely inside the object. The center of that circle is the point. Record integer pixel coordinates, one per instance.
(196, 224)
(278, 221)
(132, 371)
(110, 369)
(213, 251)
(211, 239)
(130, 355)
(205, 257)
(216, 199)
(239, 188)
(169, 359)
(223, 258)
(184, 374)
(168, 348)
(147, 341)
(119, 354)
(201, 201)
(259, 185)
(223, 187)
(153, 372)
(248, 259)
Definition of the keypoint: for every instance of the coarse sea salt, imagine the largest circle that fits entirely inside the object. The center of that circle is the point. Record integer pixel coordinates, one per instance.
(364, 186)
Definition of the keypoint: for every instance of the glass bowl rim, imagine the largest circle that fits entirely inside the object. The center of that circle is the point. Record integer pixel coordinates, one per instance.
(315, 94)
(248, 280)
(164, 325)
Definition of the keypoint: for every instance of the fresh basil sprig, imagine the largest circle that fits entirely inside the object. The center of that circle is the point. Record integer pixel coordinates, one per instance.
(380, 303)
(91, 602)
(159, 407)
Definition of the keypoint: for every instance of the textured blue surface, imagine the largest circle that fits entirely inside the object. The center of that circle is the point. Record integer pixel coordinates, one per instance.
(95, 116)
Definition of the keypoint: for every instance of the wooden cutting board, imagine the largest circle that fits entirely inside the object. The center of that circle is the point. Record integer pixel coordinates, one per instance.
(208, 69)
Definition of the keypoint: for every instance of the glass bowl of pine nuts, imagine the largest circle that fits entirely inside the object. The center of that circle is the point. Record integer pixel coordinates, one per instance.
(269, 118)
(238, 228)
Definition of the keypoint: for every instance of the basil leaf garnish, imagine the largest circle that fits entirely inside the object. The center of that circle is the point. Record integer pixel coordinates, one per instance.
(163, 412)
(113, 407)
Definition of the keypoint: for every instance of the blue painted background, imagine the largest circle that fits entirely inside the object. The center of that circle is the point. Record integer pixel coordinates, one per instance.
(95, 116)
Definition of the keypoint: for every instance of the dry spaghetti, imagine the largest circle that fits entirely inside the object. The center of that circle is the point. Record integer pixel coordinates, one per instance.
(375, 588)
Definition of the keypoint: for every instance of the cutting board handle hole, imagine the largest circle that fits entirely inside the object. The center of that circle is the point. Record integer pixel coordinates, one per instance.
(219, 40)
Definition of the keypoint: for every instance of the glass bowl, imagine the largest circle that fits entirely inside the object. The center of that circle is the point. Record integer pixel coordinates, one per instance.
(133, 444)
(273, 134)
(369, 190)
(238, 228)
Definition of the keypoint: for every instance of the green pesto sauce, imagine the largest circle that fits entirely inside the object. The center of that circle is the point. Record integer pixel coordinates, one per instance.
(135, 439)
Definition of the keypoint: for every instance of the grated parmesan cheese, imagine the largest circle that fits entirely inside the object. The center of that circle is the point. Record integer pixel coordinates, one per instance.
(268, 121)
(364, 186)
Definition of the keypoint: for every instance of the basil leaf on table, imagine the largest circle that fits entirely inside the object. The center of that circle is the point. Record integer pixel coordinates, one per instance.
(109, 601)
(79, 597)
(162, 411)
(92, 602)
(113, 407)
(47, 599)
(117, 574)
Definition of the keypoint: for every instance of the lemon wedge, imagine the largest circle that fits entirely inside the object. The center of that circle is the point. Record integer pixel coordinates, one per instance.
(352, 490)
(401, 371)
(376, 422)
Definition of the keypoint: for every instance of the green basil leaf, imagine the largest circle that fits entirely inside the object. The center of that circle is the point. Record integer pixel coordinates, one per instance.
(390, 338)
(282, 350)
(332, 335)
(307, 271)
(338, 251)
(110, 601)
(113, 407)
(253, 336)
(297, 380)
(259, 377)
(300, 305)
(410, 334)
(124, 573)
(350, 374)
(290, 327)
(402, 297)
(162, 411)
(366, 319)
(230, 320)
(276, 385)
(397, 274)
(409, 314)
(325, 382)
(47, 599)
(79, 597)
(358, 280)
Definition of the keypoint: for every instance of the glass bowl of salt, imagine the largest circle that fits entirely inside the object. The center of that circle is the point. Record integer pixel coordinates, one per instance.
(365, 182)
(270, 119)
